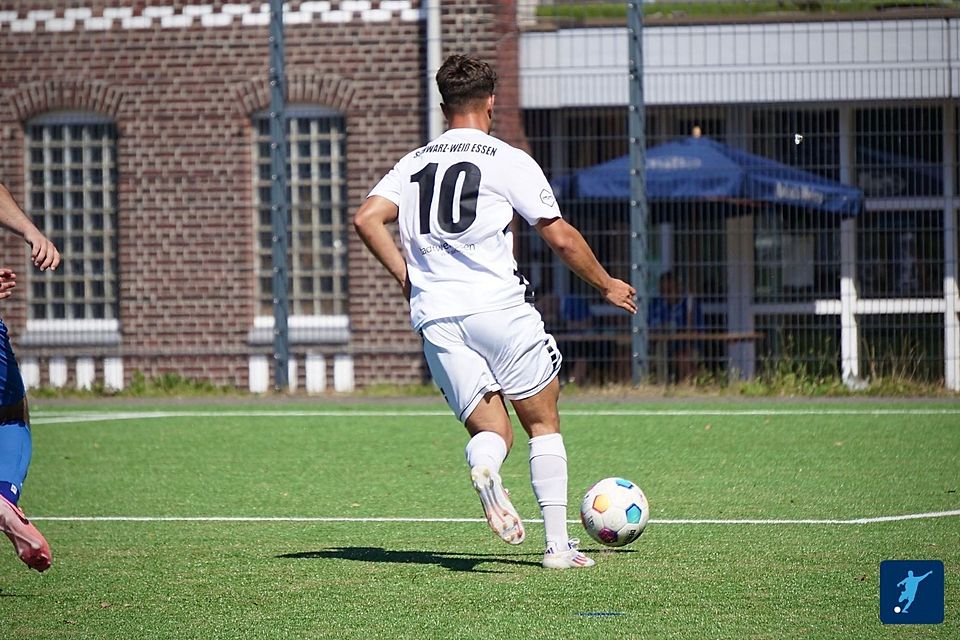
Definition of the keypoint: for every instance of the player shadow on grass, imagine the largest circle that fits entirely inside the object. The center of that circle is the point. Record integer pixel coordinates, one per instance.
(451, 561)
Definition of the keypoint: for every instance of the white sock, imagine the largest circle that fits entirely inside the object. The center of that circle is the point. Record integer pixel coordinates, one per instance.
(548, 475)
(486, 448)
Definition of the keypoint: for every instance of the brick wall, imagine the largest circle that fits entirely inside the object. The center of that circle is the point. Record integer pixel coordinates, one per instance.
(182, 98)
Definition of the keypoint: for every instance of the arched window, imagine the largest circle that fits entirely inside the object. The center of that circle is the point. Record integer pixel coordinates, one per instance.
(317, 225)
(71, 178)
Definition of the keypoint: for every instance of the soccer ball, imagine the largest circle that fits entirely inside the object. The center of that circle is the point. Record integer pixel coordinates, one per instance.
(614, 512)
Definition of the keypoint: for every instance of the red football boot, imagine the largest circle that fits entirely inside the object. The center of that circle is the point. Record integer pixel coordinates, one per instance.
(26, 538)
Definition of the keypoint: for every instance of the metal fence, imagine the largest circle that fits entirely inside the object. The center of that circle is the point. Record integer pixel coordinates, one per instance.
(801, 172)
(799, 160)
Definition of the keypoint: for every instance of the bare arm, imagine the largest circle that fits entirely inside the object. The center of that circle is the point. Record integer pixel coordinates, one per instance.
(43, 252)
(371, 222)
(569, 244)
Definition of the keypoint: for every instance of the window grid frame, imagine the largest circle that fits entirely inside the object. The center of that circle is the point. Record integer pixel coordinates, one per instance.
(312, 262)
(86, 286)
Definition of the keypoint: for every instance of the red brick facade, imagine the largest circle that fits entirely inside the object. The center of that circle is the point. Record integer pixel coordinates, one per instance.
(182, 98)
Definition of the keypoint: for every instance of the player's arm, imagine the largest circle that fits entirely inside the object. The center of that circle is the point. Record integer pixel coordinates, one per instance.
(371, 222)
(531, 195)
(43, 252)
(570, 245)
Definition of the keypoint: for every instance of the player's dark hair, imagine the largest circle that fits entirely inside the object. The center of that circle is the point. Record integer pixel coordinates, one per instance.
(464, 81)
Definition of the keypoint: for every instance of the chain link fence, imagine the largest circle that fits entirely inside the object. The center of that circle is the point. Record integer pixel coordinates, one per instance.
(801, 170)
(801, 175)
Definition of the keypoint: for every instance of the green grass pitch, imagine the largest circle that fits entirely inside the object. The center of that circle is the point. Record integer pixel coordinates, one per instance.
(312, 578)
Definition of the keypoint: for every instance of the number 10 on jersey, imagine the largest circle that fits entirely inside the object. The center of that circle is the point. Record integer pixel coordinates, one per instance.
(466, 205)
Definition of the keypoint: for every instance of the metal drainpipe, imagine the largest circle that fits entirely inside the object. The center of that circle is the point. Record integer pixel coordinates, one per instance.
(435, 123)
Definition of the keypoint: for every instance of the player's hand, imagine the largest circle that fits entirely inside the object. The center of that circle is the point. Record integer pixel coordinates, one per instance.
(405, 287)
(8, 280)
(43, 252)
(621, 294)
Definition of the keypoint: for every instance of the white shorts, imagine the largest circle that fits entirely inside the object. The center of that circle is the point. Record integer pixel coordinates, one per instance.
(505, 350)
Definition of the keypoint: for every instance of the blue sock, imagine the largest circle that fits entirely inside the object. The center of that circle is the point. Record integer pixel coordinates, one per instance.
(15, 451)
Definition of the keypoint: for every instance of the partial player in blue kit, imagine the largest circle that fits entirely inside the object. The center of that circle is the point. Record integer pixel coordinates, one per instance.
(15, 441)
(454, 200)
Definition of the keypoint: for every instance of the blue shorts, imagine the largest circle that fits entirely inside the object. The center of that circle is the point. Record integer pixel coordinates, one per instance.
(11, 383)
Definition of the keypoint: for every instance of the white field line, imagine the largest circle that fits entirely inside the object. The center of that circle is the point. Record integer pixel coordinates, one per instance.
(79, 417)
(685, 521)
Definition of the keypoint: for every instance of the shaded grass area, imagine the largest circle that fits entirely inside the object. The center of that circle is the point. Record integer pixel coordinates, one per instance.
(454, 580)
(340, 581)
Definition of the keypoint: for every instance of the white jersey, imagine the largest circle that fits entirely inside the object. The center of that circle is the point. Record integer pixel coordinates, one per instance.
(456, 197)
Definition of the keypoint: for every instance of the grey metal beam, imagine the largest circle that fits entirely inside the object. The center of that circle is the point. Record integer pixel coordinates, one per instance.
(638, 195)
(279, 200)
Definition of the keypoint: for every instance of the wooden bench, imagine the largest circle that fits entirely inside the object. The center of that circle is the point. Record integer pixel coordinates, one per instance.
(660, 340)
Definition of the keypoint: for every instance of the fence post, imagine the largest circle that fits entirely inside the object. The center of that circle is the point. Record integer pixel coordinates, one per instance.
(638, 195)
(951, 324)
(849, 329)
(279, 202)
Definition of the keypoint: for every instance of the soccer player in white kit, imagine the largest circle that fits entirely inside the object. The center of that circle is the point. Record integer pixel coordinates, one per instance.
(455, 199)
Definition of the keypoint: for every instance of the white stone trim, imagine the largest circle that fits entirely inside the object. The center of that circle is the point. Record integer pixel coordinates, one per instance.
(176, 21)
(97, 24)
(198, 10)
(377, 15)
(50, 333)
(315, 366)
(333, 329)
(118, 12)
(297, 17)
(343, 381)
(158, 12)
(259, 372)
(216, 19)
(337, 16)
(23, 26)
(61, 24)
(86, 372)
(237, 9)
(292, 375)
(256, 19)
(113, 373)
(77, 326)
(138, 22)
(30, 372)
(57, 371)
(78, 14)
(211, 17)
(305, 322)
